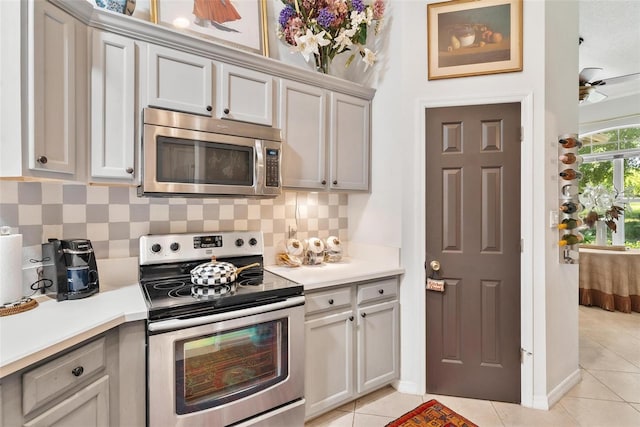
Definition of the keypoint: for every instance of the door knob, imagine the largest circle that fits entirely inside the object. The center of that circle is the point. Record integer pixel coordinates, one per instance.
(435, 265)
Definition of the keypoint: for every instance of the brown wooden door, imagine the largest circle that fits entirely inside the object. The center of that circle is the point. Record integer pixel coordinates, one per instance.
(473, 230)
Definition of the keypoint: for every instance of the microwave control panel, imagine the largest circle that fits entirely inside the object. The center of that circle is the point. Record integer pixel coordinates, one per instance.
(272, 166)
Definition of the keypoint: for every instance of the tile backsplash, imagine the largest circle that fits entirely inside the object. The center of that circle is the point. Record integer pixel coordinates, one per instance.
(113, 217)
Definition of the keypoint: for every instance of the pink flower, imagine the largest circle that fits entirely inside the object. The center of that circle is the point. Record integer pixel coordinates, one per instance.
(378, 9)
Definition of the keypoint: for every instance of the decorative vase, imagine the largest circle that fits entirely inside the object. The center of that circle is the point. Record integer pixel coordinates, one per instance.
(601, 233)
(322, 60)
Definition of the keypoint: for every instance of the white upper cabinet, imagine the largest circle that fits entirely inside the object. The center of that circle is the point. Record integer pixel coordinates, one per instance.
(244, 95)
(349, 142)
(113, 113)
(303, 118)
(53, 92)
(179, 81)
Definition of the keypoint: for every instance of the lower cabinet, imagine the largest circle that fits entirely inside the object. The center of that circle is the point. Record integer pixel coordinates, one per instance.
(89, 406)
(352, 342)
(100, 382)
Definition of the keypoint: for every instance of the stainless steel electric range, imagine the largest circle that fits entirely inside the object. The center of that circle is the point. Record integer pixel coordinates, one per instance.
(233, 356)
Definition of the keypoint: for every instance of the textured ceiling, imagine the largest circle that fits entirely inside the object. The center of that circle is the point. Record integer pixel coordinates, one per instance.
(611, 33)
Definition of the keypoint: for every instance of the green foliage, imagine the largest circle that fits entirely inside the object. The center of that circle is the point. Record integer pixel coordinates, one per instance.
(602, 173)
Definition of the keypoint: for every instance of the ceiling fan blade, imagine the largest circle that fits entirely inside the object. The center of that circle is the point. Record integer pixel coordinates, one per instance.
(588, 74)
(621, 79)
(596, 96)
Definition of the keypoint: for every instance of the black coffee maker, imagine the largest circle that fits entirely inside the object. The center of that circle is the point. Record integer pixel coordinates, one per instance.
(71, 267)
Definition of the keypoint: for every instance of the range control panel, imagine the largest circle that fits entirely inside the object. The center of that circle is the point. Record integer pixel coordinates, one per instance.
(163, 248)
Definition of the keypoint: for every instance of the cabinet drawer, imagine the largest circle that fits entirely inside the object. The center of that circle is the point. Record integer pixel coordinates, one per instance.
(328, 300)
(381, 289)
(42, 384)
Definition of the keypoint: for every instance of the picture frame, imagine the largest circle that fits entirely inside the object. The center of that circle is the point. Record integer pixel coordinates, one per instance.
(236, 23)
(473, 37)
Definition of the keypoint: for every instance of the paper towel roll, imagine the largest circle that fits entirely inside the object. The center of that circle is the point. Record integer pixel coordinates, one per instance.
(10, 267)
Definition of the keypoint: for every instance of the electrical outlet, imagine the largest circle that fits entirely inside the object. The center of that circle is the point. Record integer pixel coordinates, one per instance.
(292, 232)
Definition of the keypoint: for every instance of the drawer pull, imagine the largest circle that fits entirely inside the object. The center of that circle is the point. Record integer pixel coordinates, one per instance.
(364, 315)
(331, 301)
(351, 318)
(381, 291)
(77, 371)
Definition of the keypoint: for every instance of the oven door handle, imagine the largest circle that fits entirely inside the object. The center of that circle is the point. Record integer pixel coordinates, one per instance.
(167, 325)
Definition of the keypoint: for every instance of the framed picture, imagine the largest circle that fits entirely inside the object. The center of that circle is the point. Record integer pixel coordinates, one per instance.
(238, 23)
(471, 38)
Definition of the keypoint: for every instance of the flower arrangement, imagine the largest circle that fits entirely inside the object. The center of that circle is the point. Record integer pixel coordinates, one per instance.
(326, 28)
(602, 206)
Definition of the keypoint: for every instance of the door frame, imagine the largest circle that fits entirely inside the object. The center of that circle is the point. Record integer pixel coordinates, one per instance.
(526, 218)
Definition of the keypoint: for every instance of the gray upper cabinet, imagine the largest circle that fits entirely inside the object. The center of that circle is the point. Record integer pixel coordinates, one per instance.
(179, 81)
(303, 118)
(113, 112)
(245, 95)
(46, 130)
(54, 90)
(349, 143)
(327, 138)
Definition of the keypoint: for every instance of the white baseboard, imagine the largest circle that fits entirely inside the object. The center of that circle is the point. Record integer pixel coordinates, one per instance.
(408, 387)
(563, 388)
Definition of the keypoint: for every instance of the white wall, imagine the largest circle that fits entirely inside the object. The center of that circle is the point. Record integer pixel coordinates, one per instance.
(561, 280)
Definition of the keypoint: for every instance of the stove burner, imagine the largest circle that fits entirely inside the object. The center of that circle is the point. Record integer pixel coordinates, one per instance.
(217, 291)
(168, 284)
(181, 292)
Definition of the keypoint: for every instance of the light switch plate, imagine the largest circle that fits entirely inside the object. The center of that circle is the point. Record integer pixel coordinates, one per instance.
(553, 219)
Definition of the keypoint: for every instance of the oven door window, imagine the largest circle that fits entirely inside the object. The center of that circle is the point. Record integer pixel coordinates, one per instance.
(202, 162)
(229, 365)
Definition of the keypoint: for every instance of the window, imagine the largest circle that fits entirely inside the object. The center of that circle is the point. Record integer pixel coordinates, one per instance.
(612, 158)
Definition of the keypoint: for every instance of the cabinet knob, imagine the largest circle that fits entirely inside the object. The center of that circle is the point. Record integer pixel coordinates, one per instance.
(351, 318)
(364, 315)
(42, 160)
(77, 371)
(209, 108)
(335, 182)
(381, 291)
(226, 111)
(331, 301)
(324, 182)
(129, 170)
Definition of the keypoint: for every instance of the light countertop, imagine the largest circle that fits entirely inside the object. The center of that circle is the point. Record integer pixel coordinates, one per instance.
(339, 273)
(30, 336)
(364, 263)
(53, 326)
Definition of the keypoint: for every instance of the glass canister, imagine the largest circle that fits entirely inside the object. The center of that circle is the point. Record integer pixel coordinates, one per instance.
(314, 251)
(333, 249)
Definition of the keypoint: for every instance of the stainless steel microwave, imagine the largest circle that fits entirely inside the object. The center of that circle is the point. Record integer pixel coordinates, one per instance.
(190, 155)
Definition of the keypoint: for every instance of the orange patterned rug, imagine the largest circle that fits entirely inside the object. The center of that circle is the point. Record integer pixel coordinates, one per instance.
(431, 414)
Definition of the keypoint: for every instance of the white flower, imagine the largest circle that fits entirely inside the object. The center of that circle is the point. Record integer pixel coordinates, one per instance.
(309, 42)
(369, 58)
(343, 40)
(369, 18)
(357, 18)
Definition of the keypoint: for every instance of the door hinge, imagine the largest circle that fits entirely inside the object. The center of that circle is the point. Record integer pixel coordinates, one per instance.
(521, 133)
(522, 353)
(521, 245)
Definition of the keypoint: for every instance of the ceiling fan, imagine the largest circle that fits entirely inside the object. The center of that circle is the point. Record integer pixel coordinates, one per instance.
(589, 85)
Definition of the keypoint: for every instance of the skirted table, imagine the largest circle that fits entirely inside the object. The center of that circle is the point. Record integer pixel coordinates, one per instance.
(610, 279)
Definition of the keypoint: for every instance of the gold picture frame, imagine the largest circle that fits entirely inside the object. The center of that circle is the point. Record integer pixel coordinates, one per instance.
(471, 38)
(237, 23)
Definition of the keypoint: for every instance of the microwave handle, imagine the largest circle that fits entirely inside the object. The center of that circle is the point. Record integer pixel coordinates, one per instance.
(260, 172)
(168, 325)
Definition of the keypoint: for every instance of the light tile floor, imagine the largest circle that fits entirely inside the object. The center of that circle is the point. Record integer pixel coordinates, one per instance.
(608, 395)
